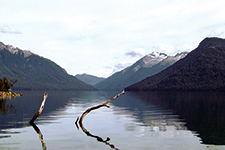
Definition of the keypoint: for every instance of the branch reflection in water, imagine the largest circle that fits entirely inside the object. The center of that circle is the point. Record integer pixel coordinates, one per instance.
(99, 139)
(88, 111)
(40, 135)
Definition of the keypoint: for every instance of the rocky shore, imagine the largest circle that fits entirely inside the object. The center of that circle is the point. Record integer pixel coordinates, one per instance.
(8, 94)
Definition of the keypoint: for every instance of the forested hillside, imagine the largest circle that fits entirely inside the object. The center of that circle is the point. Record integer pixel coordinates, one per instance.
(201, 69)
(36, 73)
(149, 65)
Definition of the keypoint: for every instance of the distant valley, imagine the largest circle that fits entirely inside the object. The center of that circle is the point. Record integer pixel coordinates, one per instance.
(201, 69)
(89, 79)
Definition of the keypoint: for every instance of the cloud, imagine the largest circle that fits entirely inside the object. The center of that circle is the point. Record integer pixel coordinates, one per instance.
(213, 33)
(52, 45)
(83, 30)
(137, 52)
(120, 66)
(6, 29)
(172, 50)
(163, 48)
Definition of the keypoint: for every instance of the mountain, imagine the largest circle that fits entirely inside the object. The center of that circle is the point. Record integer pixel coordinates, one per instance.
(36, 73)
(202, 69)
(89, 79)
(145, 67)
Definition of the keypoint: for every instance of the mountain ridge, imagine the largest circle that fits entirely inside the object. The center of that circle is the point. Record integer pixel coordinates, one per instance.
(35, 72)
(89, 79)
(146, 66)
(202, 69)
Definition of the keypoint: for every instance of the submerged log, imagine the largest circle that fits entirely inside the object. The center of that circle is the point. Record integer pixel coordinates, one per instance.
(80, 120)
(40, 110)
(97, 107)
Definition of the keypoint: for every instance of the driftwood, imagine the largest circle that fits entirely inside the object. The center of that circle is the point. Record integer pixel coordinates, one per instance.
(97, 107)
(40, 110)
(88, 111)
(40, 135)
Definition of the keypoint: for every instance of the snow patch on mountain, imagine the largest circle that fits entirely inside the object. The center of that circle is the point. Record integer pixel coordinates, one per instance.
(149, 60)
(173, 59)
(155, 58)
(14, 50)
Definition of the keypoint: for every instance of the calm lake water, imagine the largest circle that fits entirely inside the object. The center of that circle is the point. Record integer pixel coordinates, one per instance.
(134, 121)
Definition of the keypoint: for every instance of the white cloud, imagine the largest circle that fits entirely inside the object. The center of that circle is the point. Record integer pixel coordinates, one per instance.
(6, 29)
(120, 66)
(170, 49)
(103, 33)
(137, 52)
(52, 45)
(213, 33)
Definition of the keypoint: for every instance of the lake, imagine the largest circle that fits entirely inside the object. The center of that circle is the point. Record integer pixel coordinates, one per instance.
(134, 121)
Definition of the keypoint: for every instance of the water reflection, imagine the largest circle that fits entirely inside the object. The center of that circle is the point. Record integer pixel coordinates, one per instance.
(16, 112)
(4, 108)
(148, 114)
(204, 112)
(99, 139)
(105, 104)
(40, 135)
(136, 120)
(7, 132)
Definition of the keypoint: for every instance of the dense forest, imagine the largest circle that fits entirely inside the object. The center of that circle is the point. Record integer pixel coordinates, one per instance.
(35, 72)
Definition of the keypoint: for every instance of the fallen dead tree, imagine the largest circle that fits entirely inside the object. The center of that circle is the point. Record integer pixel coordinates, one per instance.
(40, 110)
(80, 120)
(97, 107)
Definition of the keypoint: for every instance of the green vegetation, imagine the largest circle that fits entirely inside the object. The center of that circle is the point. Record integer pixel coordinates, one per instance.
(5, 85)
(119, 80)
(89, 79)
(36, 73)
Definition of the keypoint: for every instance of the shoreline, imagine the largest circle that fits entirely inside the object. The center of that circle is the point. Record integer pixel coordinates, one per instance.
(9, 94)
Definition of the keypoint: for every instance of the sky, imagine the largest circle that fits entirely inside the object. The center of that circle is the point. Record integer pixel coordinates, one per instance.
(101, 37)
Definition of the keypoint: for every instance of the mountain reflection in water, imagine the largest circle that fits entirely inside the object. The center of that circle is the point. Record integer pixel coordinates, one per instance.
(136, 120)
(204, 112)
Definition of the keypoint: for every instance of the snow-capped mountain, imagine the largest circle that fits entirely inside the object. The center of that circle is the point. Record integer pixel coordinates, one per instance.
(149, 60)
(201, 70)
(144, 67)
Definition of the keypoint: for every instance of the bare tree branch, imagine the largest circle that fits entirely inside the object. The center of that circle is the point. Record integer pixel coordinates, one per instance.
(40, 110)
(88, 111)
(97, 107)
